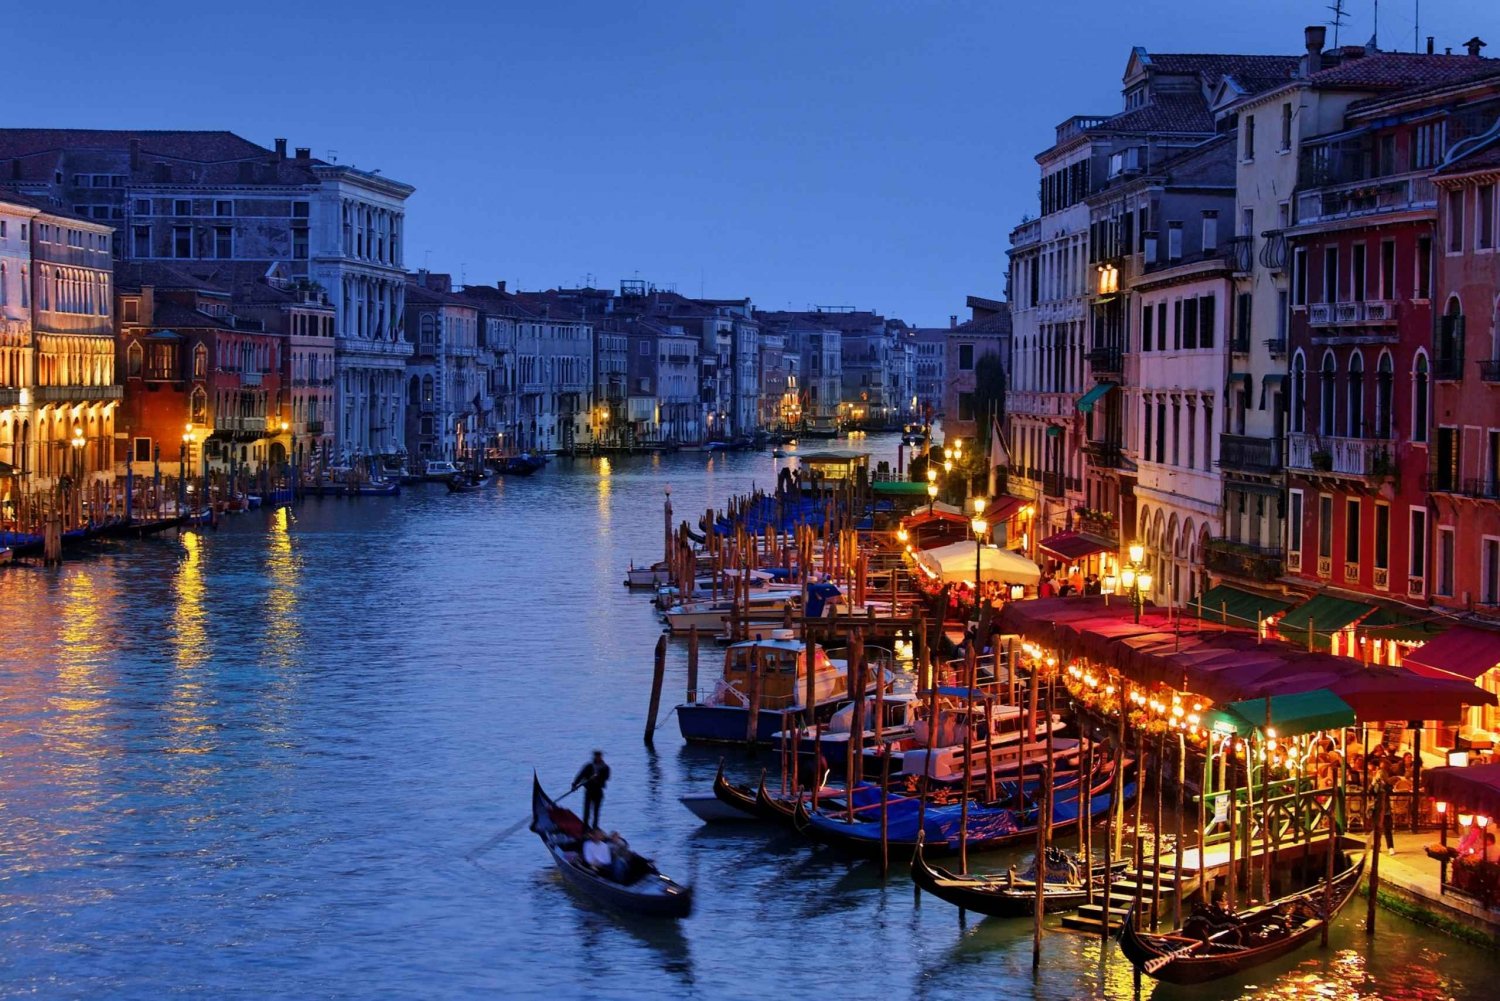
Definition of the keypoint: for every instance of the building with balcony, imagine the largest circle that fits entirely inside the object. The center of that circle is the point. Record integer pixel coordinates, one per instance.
(176, 196)
(447, 390)
(931, 368)
(203, 383)
(974, 350)
(1464, 480)
(1364, 248)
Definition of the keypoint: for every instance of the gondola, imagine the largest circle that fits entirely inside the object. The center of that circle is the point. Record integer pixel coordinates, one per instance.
(519, 465)
(739, 798)
(643, 890)
(1006, 896)
(462, 483)
(1265, 933)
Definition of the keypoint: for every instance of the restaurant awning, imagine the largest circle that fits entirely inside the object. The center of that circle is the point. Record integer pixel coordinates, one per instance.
(938, 514)
(1231, 606)
(1325, 615)
(1393, 693)
(1290, 715)
(1462, 652)
(1087, 400)
(1003, 509)
(956, 562)
(1471, 789)
(1409, 626)
(899, 488)
(1075, 545)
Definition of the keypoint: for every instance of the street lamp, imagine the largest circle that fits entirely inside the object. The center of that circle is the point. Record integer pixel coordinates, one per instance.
(77, 443)
(182, 452)
(980, 526)
(932, 489)
(291, 452)
(1136, 579)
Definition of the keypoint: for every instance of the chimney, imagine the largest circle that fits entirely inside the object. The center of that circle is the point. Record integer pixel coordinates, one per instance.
(304, 152)
(500, 285)
(281, 149)
(1430, 40)
(1474, 45)
(952, 320)
(135, 154)
(1448, 51)
(1313, 35)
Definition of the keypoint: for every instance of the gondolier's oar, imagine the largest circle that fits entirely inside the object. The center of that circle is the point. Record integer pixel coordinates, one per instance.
(513, 828)
(1152, 965)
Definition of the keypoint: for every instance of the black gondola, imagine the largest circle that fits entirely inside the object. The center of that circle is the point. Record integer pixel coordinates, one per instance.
(642, 890)
(1264, 933)
(1004, 896)
(465, 482)
(519, 465)
(736, 796)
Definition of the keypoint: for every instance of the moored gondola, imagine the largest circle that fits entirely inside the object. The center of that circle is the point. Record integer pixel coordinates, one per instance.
(632, 885)
(1256, 936)
(1008, 896)
(740, 798)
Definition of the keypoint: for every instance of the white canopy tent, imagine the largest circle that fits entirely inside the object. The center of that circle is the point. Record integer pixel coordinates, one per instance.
(956, 562)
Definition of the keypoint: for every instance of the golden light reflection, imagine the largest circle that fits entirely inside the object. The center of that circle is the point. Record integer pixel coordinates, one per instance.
(283, 571)
(185, 710)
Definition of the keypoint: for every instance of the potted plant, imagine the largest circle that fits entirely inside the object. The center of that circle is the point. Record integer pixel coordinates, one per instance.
(1322, 460)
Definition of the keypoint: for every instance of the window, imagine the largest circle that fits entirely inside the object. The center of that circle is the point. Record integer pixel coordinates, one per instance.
(427, 330)
(182, 241)
(1387, 269)
(646, 349)
(1161, 432)
(1384, 381)
(1208, 433)
(1294, 522)
(1423, 284)
(1355, 425)
(1325, 395)
(1489, 565)
(1419, 398)
(1286, 127)
(1241, 335)
(200, 362)
(1428, 146)
(1383, 536)
(223, 208)
(1146, 431)
(1299, 277)
(142, 451)
(198, 405)
(1174, 241)
(966, 406)
(299, 243)
(1210, 231)
(1325, 526)
(130, 310)
(966, 357)
(1357, 272)
(140, 241)
(299, 210)
(1249, 149)
(1449, 459)
(1299, 392)
(1416, 565)
(1187, 320)
(1385, 154)
(1146, 313)
(223, 242)
(1455, 221)
(1161, 326)
(1206, 321)
(1484, 225)
(1351, 531)
(1330, 274)
(1444, 556)
(182, 206)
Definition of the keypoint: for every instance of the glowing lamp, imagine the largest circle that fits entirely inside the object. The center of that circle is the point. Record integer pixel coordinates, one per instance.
(932, 490)
(1482, 821)
(1017, 592)
(1145, 578)
(978, 506)
(901, 534)
(1465, 819)
(1127, 578)
(1137, 552)
(980, 526)
(1442, 807)
(931, 475)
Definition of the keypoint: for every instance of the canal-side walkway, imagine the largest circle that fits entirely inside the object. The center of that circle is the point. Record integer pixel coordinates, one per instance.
(1409, 886)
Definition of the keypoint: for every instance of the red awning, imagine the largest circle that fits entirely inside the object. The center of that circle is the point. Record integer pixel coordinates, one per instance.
(926, 517)
(1471, 789)
(1003, 509)
(1393, 693)
(1075, 545)
(1461, 652)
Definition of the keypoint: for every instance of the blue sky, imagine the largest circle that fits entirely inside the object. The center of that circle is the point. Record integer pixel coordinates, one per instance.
(814, 152)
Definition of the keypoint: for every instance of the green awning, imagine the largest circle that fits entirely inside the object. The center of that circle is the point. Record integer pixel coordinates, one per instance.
(1327, 615)
(1388, 624)
(899, 488)
(1241, 379)
(1087, 400)
(1231, 606)
(1291, 715)
(1270, 384)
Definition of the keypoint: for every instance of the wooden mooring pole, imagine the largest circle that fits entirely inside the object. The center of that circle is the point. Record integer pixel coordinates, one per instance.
(658, 675)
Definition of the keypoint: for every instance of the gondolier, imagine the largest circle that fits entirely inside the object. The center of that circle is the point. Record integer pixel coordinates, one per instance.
(593, 777)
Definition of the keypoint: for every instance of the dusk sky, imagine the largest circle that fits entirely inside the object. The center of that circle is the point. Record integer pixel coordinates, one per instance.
(818, 152)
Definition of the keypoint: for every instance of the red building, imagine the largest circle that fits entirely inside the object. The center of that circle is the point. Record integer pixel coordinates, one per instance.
(1362, 440)
(202, 385)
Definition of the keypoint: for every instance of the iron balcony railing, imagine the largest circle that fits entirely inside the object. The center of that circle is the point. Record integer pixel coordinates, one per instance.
(1248, 454)
(1106, 361)
(1240, 559)
(1052, 484)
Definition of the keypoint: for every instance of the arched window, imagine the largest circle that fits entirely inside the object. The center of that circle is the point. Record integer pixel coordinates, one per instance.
(1383, 388)
(414, 391)
(427, 330)
(200, 361)
(427, 389)
(1356, 425)
(1326, 393)
(1419, 397)
(198, 403)
(135, 359)
(1450, 341)
(1299, 392)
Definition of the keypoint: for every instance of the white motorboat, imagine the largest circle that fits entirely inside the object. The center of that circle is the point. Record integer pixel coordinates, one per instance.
(437, 470)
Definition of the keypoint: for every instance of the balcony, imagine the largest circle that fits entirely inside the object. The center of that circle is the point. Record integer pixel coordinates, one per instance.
(1052, 484)
(1354, 457)
(1106, 361)
(1104, 454)
(1380, 311)
(76, 394)
(1485, 488)
(1276, 347)
(312, 427)
(10, 397)
(1273, 250)
(1242, 560)
(250, 378)
(1239, 253)
(240, 428)
(1489, 371)
(1247, 454)
(1371, 196)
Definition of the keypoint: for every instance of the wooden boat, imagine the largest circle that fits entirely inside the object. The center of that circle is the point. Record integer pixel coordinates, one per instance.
(642, 891)
(519, 465)
(1007, 896)
(735, 796)
(1265, 933)
(466, 482)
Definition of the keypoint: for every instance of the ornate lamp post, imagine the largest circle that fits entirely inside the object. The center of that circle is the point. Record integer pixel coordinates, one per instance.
(76, 443)
(182, 469)
(980, 526)
(1136, 579)
(932, 489)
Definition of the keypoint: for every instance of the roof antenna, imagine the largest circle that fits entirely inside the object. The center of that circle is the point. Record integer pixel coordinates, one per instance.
(1337, 20)
(1416, 25)
(333, 156)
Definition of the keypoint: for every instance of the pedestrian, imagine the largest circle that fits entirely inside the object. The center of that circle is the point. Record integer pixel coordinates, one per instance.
(593, 777)
(1381, 822)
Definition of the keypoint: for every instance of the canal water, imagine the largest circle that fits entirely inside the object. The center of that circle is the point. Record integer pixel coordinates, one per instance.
(256, 762)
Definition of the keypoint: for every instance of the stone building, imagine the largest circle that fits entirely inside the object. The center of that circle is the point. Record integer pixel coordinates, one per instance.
(446, 387)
